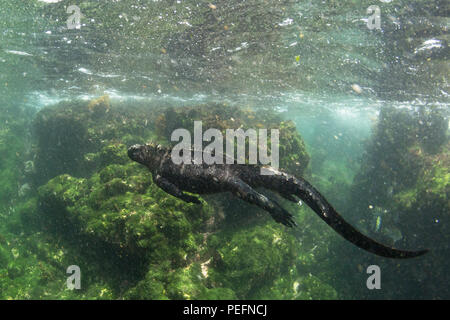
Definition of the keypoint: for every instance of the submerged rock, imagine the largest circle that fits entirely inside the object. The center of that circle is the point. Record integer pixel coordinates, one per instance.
(406, 171)
(106, 207)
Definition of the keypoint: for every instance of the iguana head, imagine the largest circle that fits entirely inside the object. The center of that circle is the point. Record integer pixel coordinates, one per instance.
(146, 154)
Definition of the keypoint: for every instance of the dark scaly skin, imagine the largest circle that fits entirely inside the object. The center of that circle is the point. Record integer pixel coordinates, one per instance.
(241, 181)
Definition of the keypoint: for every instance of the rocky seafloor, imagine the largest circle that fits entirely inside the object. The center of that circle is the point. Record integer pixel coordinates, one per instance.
(85, 203)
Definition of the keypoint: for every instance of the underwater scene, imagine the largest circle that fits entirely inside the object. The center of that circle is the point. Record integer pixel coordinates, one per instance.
(224, 150)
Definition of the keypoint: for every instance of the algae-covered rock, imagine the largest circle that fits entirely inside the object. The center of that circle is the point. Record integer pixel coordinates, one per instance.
(72, 140)
(425, 206)
(5, 256)
(397, 153)
(152, 286)
(312, 288)
(250, 258)
(187, 283)
(70, 133)
(120, 210)
(433, 127)
(292, 151)
(405, 175)
(293, 156)
(112, 217)
(121, 206)
(404, 184)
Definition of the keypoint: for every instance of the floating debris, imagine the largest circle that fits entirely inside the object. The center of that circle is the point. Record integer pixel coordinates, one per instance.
(429, 45)
(19, 53)
(85, 71)
(286, 22)
(357, 88)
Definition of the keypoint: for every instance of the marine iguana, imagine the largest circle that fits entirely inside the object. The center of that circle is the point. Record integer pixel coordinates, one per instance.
(241, 179)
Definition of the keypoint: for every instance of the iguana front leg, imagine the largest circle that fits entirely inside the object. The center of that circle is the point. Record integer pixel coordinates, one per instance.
(172, 189)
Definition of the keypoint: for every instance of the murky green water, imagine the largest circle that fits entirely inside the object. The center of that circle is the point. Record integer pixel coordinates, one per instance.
(362, 113)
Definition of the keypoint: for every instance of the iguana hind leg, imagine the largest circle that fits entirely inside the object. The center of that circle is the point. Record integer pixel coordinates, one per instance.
(248, 194)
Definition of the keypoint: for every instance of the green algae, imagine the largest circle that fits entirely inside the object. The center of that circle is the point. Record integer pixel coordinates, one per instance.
(70, 135)
(265, 262)
(131, 239)
(128, 212)
(432, 187)
(405, 175)
(120, 206)
(251, 258)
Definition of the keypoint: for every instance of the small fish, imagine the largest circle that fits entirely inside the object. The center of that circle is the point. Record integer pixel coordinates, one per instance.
(378, 224)
(297, 58)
